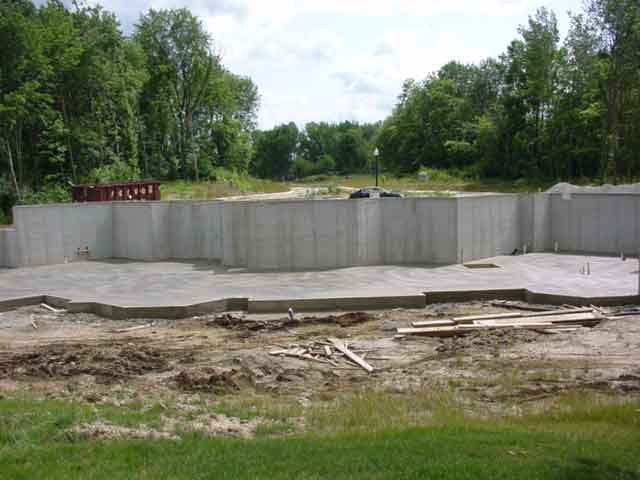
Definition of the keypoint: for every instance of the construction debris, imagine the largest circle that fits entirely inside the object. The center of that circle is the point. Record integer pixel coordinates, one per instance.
(551, 321)
(342, 347)
(322, 352)
(133, 329)
(519, 306)
(231, 321)
(51, 309)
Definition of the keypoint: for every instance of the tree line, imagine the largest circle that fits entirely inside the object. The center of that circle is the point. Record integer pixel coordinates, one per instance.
(80, 101)
(318, 148)
(543, 109)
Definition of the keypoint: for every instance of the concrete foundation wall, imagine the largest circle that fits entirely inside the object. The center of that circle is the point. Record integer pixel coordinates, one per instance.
(301, 234)
(49, 234)
(596, 223)
(338, 233)
(289, 235)
(161, 248)
(182, 230)
(418, 230)
(133, 230)
(208, 235)
(3, 249)
(488, 226)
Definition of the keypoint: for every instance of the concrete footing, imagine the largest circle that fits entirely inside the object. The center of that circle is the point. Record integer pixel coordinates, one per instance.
(314, 304)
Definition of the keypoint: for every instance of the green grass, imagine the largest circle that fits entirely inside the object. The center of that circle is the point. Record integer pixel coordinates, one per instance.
(186, 190)
(440, 181)
(578, 439)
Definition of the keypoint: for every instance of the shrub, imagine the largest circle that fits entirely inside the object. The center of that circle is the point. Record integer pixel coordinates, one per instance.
(303, 167)
(118, 171)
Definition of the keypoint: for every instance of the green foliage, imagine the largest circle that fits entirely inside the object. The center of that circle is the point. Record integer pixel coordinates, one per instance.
(302, 167)
(326, 164)
(344, 147)
(118, 171)
(51, 192)
(275, 151)
(80, 101)
(542, 110)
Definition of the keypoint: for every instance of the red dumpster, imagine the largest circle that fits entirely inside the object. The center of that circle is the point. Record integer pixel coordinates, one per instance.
(120, 191)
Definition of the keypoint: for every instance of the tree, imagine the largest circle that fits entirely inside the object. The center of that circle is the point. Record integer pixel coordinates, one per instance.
(275, 151)
(181, 64)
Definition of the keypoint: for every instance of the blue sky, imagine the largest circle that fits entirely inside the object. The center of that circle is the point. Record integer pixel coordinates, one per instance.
(333, 60)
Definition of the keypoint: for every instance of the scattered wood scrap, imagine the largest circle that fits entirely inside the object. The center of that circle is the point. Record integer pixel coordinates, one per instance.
(551, 321)
(625, 312)
(519, 306)
(133, 329)
(342, 347)
(51, 309)
(323, 352)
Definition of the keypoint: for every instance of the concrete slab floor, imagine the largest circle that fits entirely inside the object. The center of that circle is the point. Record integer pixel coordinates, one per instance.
(135, 284)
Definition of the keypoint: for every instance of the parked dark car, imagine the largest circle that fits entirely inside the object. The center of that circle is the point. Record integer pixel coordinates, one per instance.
(368, 192)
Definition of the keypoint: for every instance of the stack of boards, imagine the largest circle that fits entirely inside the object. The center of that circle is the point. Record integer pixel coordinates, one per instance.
(552, 321)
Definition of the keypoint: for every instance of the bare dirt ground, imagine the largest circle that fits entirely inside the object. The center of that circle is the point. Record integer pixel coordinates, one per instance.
(81, 357)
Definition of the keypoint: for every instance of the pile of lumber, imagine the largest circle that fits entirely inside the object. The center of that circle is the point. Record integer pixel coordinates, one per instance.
(551, 321)
(330, 352)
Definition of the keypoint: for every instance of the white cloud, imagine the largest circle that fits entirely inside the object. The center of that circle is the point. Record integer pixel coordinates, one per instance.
(330, 60)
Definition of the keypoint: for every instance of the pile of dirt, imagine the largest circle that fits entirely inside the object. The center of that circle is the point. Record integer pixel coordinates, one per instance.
(108, 362)
(236, 322)
(253, 374)
(216, 380)
(564, 187)
(486, 341)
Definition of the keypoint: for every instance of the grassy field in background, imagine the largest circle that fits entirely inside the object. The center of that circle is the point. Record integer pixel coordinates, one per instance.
(439, 181)
(350, 439)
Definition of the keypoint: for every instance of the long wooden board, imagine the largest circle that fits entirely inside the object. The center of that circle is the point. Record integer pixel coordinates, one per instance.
(472, 318)
(434, 323)
(341, 346)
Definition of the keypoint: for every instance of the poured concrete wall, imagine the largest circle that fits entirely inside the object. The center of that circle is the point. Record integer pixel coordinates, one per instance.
(133, 231)
(596, 223)
(338, 233)
(208, 235)
(182, 230)
(488, 226)
(48, 234)
(4, 249)
(8, 247)
(302, 234)
(289, 235)
(418, 230)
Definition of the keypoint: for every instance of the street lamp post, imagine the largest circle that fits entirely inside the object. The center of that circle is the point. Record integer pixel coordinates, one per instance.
(376, 154)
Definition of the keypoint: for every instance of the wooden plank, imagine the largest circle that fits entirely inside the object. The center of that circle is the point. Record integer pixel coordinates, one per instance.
(434, 323)
(341, 346)
(133, 329)
(558, 312)
(573, 318)
(432, 332)
(485, 326)
(51, 309)
(519, 306)
(470, 319)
